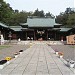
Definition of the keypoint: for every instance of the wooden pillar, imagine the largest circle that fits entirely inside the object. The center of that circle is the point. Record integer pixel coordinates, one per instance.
(26, 35)
(0, 34)
(47, 35)
(34, 35)
(4, 34)
(55, 35)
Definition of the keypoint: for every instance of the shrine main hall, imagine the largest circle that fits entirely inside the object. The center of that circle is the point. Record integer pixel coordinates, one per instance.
(37, 28)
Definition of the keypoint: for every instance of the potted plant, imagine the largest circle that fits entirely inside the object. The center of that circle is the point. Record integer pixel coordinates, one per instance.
(2, 63)
(70, 63)
(20, 51)
(60, 55)
(56, 52)
(16, 54)
(8, 58)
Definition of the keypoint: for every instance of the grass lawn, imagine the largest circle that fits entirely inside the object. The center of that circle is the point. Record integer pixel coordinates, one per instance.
(4, 46)
(72, 46)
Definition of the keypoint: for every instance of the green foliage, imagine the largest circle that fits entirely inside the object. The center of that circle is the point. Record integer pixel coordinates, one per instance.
(10, 16)
(68, 20)
(48, 14)
(4, 46)
(17, 18)
(14, 17)
(71, 20)
(5, 12)
(61, 18)
(39, 13)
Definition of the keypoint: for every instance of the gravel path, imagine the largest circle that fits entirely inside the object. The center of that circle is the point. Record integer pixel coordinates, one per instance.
(68, 50)
(11, 50)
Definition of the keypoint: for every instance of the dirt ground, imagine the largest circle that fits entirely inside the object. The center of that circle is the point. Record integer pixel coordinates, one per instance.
(68, 50)
(6, 52)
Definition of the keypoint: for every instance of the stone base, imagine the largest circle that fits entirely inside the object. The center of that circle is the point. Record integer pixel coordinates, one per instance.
(56, 53)
(2, 66)
(16, 56)
(60, 56)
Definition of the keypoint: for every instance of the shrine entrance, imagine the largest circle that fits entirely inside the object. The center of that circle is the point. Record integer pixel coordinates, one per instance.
(41, 35)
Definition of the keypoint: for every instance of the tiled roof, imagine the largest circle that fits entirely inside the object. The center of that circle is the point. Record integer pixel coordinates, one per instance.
(16, 28)
(62, 29)
(3, 25)
(57, 24)
(65, 29)
(40, 22)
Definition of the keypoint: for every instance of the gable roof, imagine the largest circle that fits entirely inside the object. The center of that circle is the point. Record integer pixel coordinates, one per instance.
(40, 22)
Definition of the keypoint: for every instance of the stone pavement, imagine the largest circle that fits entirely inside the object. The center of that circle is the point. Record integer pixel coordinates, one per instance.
(37, 60)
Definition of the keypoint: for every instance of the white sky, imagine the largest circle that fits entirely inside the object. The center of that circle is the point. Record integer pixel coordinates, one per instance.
(53, 6)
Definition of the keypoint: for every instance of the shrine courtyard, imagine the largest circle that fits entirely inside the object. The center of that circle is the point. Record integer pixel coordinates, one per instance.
(38, 58)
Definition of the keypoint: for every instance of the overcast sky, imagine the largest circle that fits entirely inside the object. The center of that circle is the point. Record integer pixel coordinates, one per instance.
(54, 6)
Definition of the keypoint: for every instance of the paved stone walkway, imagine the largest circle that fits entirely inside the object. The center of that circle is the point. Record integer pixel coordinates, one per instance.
(37, 60)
